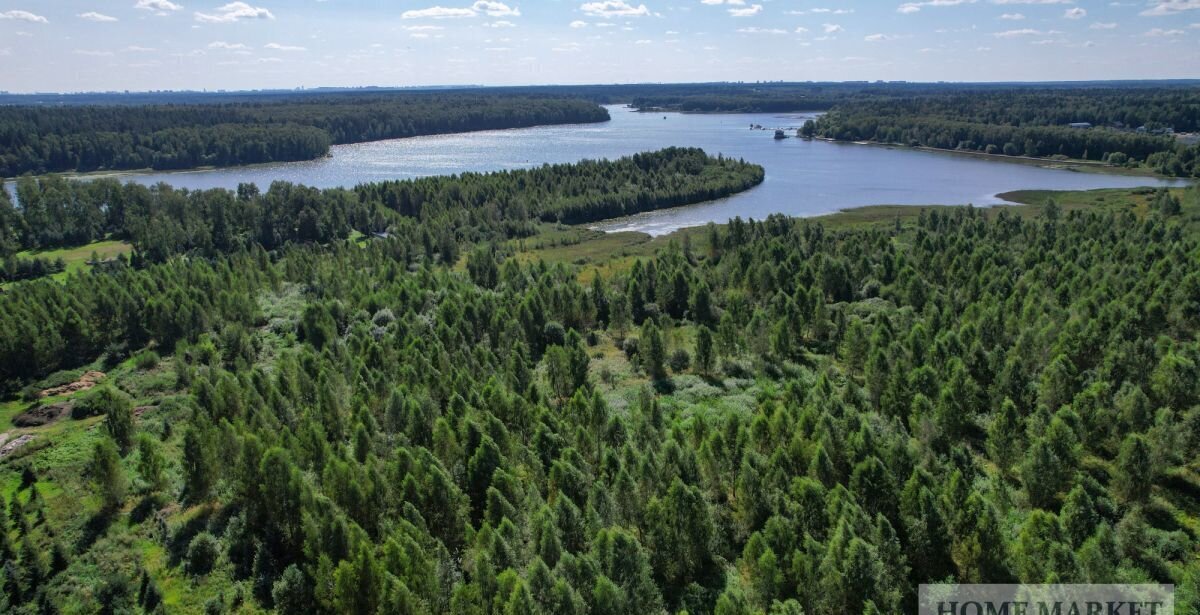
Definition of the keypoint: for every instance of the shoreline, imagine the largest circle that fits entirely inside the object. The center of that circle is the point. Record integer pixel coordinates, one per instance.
(1079, 166)
(682, 112)
(884, 213)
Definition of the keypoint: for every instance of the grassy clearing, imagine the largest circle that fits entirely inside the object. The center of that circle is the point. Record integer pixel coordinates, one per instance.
(77, 258)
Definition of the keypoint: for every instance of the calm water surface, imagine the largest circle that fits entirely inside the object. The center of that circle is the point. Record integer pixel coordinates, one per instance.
(803, 178)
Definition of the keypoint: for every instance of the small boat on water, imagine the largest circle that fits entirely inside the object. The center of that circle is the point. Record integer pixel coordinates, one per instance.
(780, 135)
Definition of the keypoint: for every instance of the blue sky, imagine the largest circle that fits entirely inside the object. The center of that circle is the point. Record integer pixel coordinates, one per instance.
(89, 45)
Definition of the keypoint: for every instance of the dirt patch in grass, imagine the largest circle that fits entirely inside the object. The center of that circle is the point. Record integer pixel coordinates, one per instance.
(85, 382)
(42, 415)
(11, 446)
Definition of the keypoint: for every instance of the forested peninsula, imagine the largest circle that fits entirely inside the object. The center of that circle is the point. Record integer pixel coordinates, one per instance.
(79, 138)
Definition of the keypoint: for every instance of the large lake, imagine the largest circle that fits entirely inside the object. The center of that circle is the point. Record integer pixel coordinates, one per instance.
(803, 178)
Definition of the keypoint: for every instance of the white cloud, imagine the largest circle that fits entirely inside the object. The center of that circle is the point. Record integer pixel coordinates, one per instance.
(278, 47)
(1024, 32)
(1171, 7)
(228, 46)
(94, 16)
(755, 30)
(913, 7)
(878, 38)
(578, 24)
(161, 6)
(500, 24)
(1161, 33)
(822, 11)
(1012, 16)
(1033, 1)
(23, 16)
(748, 11)
(614, 8)
(1075, 13)
(496, 9)
(1103, 26)
(438, 12)
(235, 11)
(137, 49)
(93, 53)
(831, 28)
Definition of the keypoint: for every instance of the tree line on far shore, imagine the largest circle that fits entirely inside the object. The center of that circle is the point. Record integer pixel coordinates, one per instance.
(81, 138)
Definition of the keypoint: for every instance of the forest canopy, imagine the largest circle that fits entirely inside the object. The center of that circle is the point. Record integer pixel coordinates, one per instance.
(433, 219)
(437, 396)
(772, 417)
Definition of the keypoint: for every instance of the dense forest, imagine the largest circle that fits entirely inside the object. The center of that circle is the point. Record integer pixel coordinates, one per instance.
(1126, 126)
(436, 213)
(58, 138)
(764, 417)
(433, 217)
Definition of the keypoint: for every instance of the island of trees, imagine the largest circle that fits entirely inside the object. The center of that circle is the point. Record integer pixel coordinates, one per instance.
(771, 416)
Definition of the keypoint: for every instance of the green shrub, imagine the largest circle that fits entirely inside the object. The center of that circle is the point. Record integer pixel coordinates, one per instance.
(202, 554)
(680, 360)
(100, 400)
(147, 359)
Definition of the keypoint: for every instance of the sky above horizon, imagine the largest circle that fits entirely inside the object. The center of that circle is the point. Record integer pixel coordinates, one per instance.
(102, 45)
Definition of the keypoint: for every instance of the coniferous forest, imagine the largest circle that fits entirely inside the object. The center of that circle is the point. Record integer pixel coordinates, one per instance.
(378, 401)
(447, 395)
